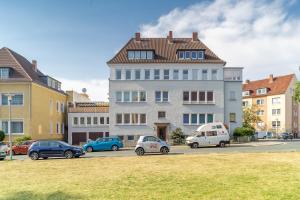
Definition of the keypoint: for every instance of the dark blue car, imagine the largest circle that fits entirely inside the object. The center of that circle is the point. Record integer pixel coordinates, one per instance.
(46, 149)
(101, 144)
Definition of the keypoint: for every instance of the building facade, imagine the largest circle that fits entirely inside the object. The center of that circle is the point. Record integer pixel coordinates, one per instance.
(273, 99)
(159, 84)
(38, 103)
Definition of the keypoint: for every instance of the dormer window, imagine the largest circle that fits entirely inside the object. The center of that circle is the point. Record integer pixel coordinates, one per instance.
(261, 91)
(4, 72)
(140, 55)
(246, 93)
(194, 55)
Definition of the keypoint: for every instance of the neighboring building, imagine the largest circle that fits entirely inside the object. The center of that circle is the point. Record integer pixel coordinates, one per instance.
(74, 97)
(159, 84)
(273, 97)
(38, 105)
(87, 120)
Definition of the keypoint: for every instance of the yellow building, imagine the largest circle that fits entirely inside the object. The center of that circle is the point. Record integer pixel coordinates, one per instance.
(273, 97)
(38, 103)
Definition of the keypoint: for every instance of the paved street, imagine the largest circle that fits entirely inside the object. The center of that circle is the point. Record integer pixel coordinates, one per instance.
(262, 146)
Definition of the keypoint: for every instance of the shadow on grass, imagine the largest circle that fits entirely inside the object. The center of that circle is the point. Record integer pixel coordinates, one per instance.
(28, 195)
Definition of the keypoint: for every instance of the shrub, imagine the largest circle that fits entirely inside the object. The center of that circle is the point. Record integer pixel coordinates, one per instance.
(22, 139)
(177, 136)
(243, 131)
(2, 136)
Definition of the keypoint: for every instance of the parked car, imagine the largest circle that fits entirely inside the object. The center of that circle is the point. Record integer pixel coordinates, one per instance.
(21, 148)
(2, 152)
(45, 149)
(209, 134)
(101, 144)
(263, 134)
(151, 144)
(287, 136)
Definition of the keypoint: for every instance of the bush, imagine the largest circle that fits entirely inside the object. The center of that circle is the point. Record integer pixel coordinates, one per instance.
(2, 136)
(177, 136)
(22, 139)
(243, 131)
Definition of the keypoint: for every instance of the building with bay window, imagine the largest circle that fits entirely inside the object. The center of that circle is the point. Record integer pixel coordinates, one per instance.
(159, 84)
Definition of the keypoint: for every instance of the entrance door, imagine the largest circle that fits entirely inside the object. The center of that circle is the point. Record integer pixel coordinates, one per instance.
(162, 132)
(78, 137)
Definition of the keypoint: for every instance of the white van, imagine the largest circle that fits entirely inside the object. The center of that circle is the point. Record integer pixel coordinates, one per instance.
(263, 134)
(209, 134)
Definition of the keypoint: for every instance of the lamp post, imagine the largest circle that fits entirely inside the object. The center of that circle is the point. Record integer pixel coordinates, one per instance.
(9, 97)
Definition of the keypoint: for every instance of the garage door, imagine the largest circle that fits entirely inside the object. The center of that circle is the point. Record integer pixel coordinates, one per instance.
(95, 135)
(78, 137)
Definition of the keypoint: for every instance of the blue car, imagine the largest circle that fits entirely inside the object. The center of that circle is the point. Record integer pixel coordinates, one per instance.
(46, 149)
(101, 144)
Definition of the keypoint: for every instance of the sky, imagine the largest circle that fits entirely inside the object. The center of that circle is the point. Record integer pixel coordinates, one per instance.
(73, 40)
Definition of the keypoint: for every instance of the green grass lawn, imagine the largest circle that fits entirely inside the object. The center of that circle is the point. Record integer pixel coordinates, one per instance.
(212, 176)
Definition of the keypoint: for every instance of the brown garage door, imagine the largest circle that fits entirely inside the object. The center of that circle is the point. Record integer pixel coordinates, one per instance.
(78, 137)
(95, 135)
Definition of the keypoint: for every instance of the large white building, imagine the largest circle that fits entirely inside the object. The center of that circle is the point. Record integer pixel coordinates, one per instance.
(159, 84)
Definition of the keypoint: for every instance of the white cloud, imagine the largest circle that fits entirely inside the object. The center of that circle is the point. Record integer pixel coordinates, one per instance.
(257, 35)
(96, 89)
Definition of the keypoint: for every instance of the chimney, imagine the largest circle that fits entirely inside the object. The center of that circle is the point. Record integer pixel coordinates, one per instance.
(271, 78)
(170, 37)
(138, 36)
(247, 81)
(34, 65)
(195, 36)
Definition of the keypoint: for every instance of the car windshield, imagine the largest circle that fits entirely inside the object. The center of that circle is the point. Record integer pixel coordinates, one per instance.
(195, 133)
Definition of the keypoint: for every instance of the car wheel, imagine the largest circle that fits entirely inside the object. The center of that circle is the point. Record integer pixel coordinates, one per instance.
(164, 150)
(139, 151)
(68, 154)
(222, 144)
(45, 158)
(195, 145)
(115, 148)
(89, 149)
(34, 156)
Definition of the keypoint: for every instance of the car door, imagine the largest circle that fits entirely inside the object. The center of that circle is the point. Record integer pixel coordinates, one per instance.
(56, 149)
(99, 145)
(24, 147)
(201, 139)
(44, 149)
(151, 144)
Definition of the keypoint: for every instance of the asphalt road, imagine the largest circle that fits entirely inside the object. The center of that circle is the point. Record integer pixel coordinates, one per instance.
(262, 146)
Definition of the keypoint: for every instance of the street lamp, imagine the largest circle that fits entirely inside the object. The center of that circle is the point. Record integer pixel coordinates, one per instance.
(9, 98)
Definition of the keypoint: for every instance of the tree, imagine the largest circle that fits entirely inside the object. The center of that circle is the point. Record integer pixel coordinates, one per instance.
(177, 136)
(2, 136)
(250, 117)
(297, 92)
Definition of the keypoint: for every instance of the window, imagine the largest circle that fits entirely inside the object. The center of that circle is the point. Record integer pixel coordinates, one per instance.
(194, 55)
(17, 99)
(204, 74)
(150, 54)
(130, 137)
(126, 118)
(88, 120)
(260, 112)
(186, 96)
(210, 118)
(201, 118)
(137, 54)
(202, 96)
(143, 54)
(194, 96)
(275, 111)
(165, 96)
(185, 74)
(126, 96)
(246, 93)
(118, 119)
(187, 55)
(232, 117)
(201, 55)
(210, 96)
(57, 128)
(128, 74)
(261, 91)
(181, 55)
(195, 74)
(245, 103)
(161, 114)
(102, 120)
(5, 126)
(119, 96)
(260, 101)
(4, 73)
(276, 100)
(166, 74)
(95, 120)
(194, 118)
(147, 74)
(135, 96)
(186, 118)
(106, 134)
(134, 118)
(137, 74)
(214, 74)
(17, 127)
(232, 96)
(142, 96)
(175, 74)
(275, 124)
(82, 120)
(142, 118)
(62, 107)
(157, 96)
(107, 120)
(130, 55)
(118, 74)
(75, 120)
(156, 74)
(57, 106)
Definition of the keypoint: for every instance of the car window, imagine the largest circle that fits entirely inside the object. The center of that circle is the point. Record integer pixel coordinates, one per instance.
(151, 139)
(201, 134)
(53, 144)
(213, 127)
(211, 133)
(219, 127)
(43, 144)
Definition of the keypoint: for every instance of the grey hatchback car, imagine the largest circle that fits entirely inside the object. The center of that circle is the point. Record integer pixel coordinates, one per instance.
(151, 144)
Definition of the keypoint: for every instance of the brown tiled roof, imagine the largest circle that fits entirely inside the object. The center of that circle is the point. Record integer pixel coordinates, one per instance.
(92, 104)
(278, 86)
(165, 52)
(99, 109)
